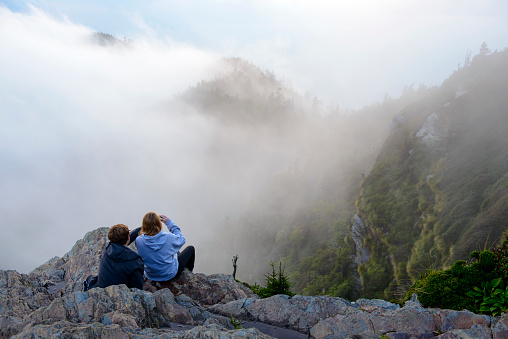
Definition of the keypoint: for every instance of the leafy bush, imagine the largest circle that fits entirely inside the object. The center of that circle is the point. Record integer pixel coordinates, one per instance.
(491, 298)
(501, 259)
(449, 288)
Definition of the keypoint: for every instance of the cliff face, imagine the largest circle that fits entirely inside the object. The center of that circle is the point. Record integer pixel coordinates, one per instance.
(439, 187)
(49, 302)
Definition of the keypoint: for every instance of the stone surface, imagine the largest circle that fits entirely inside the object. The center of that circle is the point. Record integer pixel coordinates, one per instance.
(115, 304)
(432, 130)
(49, 302)
(412, 320)
(299, 312)
(358, 232)
(20, 295)
(65, 329)
(84, 257)
(500, 334)
(463, 320)
(375, 305)
(397, 335)
(475, 332)
(500, 323)
(81, 261)
(209, 289)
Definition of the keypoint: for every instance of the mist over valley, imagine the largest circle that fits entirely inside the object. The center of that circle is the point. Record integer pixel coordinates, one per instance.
(98, 130)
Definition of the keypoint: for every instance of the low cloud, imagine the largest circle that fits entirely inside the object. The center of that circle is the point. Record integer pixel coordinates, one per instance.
(87, 138)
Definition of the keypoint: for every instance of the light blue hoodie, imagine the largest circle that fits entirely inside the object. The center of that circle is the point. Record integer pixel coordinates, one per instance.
(160, 252)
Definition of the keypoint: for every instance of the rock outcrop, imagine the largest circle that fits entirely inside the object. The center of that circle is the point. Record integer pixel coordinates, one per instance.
(37, 305)
(358, 231)
(432, 130)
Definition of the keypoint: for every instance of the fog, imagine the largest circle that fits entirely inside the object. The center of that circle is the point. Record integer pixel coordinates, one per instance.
(83, 140)
(91, 135)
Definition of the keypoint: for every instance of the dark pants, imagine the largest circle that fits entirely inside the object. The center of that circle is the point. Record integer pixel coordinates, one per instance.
(186, 260)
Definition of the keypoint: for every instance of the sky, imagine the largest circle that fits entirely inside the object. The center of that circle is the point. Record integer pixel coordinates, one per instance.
(349, 53)
(85, 141)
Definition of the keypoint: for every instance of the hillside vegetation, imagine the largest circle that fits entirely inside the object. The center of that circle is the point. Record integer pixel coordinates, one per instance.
(313, 159)
(439, 188)
(426, 172)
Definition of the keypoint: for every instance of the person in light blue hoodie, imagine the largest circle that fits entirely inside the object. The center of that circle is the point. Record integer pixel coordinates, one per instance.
(160, 249)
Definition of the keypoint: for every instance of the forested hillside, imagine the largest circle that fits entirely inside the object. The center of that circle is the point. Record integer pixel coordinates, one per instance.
(423, 177)
(439, 187)
(313, 159)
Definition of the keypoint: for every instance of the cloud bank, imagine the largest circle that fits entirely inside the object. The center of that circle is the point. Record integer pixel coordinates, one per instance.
(86, 138)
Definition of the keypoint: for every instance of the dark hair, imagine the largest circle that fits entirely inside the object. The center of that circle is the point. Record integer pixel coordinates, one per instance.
(118, 234)
(151, 224)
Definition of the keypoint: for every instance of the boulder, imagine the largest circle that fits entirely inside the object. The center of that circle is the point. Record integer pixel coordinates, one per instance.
(462, 320)
(411, 320)
(376, 306)
(66, 329)
(84, 257)
(299, 312)
(115, 304)
(475, 332)
(209, 289)
(81, 261)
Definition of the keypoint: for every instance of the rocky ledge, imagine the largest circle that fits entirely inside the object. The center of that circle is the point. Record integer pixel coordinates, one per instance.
(49, 302)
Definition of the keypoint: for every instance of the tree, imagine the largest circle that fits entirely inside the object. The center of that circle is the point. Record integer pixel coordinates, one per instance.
(484, 49)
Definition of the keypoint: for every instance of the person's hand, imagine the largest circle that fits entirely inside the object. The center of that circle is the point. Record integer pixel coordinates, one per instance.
(163, 218)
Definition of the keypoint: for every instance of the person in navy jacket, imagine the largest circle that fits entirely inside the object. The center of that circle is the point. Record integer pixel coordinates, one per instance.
(119, 264)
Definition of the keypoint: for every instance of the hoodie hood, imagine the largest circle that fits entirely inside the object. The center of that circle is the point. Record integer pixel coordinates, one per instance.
(155, 242)
(120, 253)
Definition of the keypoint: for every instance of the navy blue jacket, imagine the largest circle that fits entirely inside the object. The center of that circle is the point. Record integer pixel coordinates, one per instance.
(121, 265)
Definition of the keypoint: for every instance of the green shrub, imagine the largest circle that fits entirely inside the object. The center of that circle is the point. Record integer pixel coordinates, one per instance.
(449, 288)
(501, 259)
(491, 298)
(276, 283)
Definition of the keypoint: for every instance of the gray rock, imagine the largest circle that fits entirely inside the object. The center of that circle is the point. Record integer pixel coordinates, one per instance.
(475, 332)
(209, 289)
(38, 305)
(500, 323)
(432, 130)
(463, 320)
(342, 326)
(375, 305)
(21, 295)
(84, 257)
(51, 271)
(10, 325)
(65, 329)
(299, 312)
(358, 232)
(500, 334)
(216, 332)
(397, 335)
(412, 320)
(114, 304)
(81, 261)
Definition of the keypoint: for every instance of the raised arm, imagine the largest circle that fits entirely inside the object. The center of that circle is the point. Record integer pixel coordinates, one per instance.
(133, 235)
